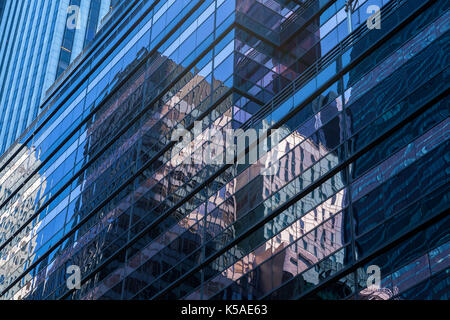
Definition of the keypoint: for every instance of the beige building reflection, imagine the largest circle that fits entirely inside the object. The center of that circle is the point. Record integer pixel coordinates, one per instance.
(20, 253)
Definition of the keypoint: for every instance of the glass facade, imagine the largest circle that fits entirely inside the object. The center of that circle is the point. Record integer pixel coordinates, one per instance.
(357, 178)
(39, 39)
(2, 6)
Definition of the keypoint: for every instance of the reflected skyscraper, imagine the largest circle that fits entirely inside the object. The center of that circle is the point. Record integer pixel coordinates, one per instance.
(17, 214)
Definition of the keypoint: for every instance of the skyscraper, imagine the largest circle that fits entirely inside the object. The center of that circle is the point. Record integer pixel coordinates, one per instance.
(129, 174)
(38, 41)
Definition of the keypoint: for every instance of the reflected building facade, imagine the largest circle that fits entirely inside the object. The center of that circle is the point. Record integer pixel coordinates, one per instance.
(359, 170)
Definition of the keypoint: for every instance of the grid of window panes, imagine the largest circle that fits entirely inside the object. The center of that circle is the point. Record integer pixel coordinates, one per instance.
(361, 173)
(68, 37)
(92, 23)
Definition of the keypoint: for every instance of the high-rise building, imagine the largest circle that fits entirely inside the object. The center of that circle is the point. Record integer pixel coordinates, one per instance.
(129, 172)
(38, 41)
